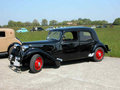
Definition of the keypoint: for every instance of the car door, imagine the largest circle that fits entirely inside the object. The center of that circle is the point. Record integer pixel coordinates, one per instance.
(70, 46)
(3, 41)
(86, 43)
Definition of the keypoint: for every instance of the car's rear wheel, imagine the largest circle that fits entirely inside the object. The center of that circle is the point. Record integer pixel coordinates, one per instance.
(36, 63)
(99, 54)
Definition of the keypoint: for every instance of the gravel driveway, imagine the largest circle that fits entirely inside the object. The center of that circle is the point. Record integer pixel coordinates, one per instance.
(77, 75)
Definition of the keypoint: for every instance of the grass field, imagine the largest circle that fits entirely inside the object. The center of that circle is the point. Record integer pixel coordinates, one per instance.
(109, 36)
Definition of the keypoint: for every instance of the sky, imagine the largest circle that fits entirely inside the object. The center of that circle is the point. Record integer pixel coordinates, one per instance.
(28, 10)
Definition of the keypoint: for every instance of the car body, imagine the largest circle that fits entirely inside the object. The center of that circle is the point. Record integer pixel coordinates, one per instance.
(36, 29)
(7, 40)
(62, 44)
(22, 30)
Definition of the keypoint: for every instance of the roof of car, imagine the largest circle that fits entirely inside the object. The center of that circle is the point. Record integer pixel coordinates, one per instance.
(6, 29)
(72, 28)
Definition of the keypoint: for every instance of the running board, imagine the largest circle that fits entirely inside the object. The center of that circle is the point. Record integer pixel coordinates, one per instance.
(90, 54)
(59, 59)
(4, 53)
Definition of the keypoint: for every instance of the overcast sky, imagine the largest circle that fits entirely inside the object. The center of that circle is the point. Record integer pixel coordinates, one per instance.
(27, 10)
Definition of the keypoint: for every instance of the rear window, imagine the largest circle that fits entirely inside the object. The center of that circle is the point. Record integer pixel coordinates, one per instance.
(85, 36)
(2, 34)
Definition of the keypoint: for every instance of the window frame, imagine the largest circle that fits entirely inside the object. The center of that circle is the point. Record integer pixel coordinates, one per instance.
(4, 34)
(77, 40)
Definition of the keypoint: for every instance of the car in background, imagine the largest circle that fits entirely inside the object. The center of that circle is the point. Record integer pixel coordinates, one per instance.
(36, 29)
(50, 28)
(22, 30)
(7, 40)
(102, 26)
(93, 26)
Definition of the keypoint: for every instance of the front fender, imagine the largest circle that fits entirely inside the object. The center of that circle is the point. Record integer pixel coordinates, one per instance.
(33, 51)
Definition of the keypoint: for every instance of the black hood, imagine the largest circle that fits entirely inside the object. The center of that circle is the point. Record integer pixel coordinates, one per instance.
(40, 42)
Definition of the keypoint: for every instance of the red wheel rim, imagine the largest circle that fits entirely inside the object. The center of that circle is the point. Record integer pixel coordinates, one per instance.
(38, 63)
(99, 54)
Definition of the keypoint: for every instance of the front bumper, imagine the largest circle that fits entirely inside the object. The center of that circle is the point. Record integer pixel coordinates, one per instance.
(15, 61)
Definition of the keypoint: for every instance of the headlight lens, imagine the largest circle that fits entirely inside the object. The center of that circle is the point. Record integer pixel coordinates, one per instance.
(24, 47)
(16, 45)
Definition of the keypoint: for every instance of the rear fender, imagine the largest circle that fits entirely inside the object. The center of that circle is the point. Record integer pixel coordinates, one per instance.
(100, 45)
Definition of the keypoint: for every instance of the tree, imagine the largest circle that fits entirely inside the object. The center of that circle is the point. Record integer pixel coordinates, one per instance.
(116, 21)
(64, 22)
(79, 19)
(44, 22)
(5, 26)
(80, 22)
(74, 22)
(27, 23)
(86, 21)
(19, 24)
(35, 22)
(53, 22)
(99, 22)
(11, 23)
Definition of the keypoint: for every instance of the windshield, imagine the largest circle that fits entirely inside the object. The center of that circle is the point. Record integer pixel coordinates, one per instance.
(54, 35)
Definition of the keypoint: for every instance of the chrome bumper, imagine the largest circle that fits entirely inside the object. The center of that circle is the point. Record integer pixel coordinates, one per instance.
(15, 60)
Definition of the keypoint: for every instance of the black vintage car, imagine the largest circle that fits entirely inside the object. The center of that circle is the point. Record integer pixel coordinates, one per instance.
(62, 44)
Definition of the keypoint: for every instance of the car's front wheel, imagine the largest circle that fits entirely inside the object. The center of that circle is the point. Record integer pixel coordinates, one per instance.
(36, 63)
(99, 54)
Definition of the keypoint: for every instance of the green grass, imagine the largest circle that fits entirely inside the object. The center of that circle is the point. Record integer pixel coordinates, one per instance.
(109, 36)
(32, 36)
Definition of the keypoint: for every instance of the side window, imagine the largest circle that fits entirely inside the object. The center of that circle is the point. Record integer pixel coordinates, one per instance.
(85, 36)
(2, 34)
(70, 36)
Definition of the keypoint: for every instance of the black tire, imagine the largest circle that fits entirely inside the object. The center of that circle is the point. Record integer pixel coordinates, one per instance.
(10, 50)
(57, 64)
(36, 63)
(99, 54)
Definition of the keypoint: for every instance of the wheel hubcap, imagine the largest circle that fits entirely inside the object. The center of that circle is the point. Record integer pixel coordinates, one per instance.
(38, 63)
(99, 54)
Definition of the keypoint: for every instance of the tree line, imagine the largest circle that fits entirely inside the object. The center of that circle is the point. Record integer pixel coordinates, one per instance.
(45, 22)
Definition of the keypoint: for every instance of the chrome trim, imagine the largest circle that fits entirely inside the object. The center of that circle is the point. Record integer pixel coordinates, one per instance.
(16, 62)
(16, 45)
(24, 47)
(10, 57)
(59, 59)
(17, 58)
(90, 54)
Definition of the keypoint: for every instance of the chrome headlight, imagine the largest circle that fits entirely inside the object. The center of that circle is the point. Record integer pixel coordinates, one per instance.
(24, 47)
(16, 45)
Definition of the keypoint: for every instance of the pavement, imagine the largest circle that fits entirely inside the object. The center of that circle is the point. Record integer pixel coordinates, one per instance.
(72, 75)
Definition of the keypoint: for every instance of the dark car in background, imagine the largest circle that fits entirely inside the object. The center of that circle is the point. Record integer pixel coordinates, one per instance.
(102, 26)
(36, 29)
(62, 44)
